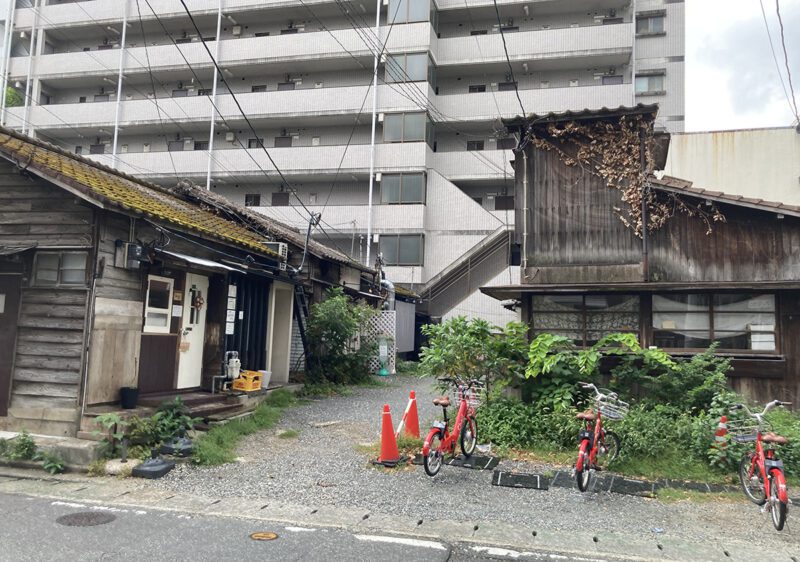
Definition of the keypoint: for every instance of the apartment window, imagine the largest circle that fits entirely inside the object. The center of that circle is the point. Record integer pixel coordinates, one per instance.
(204, 92)
(407, 68)
(404, 127)
(97, 149)
(584, 319)
(259, 88)
(82, 99)
(398, 189)
(175, 146)
(255, 143)
(280, 199)
(407, 249)
(60, 269)
(739, 321)
(504, 203)
(201, 145)
(289, 31)
(286, 86)
(78, 150)
(612, 80)
(405, 11)
(101, 97)
(44, 98)
(475, 145)
(182, 93)
(612, 21)
(262, 34)
(252, 200)
(651, 84)
(650, 25)
(506, 86)
(508, 143)
(283, 142)
(477, 88)
(479, 32)
(157, 312)
(85, 49)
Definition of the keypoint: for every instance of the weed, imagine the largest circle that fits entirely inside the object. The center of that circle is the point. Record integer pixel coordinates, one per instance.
(97, 468)
(672, 495)
(23, 448)
(324, 389)
(288, 434)
(51, 461)
(4, 448)
(280, 398)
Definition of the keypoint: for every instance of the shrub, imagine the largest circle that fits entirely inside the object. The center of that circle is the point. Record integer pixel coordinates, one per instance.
(172, 420)
(23, 448)
(334, 326)
(51, 461)
(3, 448)
(511, 423)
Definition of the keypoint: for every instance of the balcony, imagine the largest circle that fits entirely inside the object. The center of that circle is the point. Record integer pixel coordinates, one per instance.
(577, 42)
(275, 106)
(386, 219)
(474, 165)
(296, 161)
(482, 107)
(311, 46)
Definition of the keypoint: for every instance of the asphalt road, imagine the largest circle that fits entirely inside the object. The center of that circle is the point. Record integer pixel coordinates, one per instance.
(30, 530)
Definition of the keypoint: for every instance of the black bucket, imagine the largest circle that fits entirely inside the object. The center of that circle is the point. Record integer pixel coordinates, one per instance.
(128, 397)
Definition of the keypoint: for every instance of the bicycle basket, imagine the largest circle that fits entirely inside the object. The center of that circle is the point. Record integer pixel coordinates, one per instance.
(473, 399)
(744, 430)
(612, 407)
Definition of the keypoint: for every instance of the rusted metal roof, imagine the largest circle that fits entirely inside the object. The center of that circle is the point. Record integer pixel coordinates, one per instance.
(685, 187)
(583, 114)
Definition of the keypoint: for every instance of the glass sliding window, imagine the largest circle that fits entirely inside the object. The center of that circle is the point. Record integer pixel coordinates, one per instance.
(407, 68)
(406, 11)
(650, 25)
(650, 84)
(682, 321)
(404, 127)
(402, 189)
(404, 249)
(60, 268)
(585, 319)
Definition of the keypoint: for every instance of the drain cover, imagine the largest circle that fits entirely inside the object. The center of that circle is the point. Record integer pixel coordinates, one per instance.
(264, 536)
(85, 519)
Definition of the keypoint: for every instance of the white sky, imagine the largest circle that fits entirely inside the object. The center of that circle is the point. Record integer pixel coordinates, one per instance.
(731, 79)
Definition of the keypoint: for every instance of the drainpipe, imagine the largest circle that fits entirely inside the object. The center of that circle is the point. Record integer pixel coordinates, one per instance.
(7, 38)
(633, 54)
(213, 97)
(374, 120)
(119, 82)
(28, 88)
(525, 213)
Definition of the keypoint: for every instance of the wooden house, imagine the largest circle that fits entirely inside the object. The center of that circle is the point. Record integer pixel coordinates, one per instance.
(692, 281)
(109, 282)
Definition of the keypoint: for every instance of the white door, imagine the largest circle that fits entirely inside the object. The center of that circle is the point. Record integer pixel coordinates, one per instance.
(190, 366)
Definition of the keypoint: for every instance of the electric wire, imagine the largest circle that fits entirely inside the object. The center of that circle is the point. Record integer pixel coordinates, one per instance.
(786, 59)
(508, 59)
(775, 58)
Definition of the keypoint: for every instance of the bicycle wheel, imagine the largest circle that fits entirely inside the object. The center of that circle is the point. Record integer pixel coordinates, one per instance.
(608, 450)
(469, 436)
(432, 462)
(752, 483)
(582, 474)
(777, 508)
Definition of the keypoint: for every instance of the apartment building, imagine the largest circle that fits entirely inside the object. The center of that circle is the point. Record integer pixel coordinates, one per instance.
(439, 203)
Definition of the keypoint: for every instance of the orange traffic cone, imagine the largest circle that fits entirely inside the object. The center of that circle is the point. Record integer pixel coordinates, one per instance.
(412, 417)
(389, 455)
(722, 430)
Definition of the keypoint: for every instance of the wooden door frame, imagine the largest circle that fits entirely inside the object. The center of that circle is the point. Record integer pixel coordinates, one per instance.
(5, 401)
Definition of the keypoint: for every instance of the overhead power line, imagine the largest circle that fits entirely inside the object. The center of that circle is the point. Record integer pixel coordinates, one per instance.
(775, 57)
(786, 60)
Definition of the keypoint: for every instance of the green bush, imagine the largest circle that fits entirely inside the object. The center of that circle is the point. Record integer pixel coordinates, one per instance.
(23, 448)
(3, 448)
(172, 420)
(51, 461)
(334, 326)
(511, 423)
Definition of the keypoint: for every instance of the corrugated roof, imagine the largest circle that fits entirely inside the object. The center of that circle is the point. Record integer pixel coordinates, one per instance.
(110, 188)
(685, 187)
(583, 114)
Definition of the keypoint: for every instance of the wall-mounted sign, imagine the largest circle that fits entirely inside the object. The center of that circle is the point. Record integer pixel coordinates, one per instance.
(177, 310)
(229, 329)
(177, 296)
(231, 303)
(232, 291)
(231, 316)
(2, 303)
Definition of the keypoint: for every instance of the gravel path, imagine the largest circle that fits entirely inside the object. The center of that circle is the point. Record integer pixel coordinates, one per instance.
(323, 466)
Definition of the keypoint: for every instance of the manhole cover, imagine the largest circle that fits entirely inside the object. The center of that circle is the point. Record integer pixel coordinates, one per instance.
(264, 536)
(85, 519)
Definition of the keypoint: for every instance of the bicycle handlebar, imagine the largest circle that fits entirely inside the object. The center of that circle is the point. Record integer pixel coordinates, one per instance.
(473, 382)
(598, 395)
(767, 408)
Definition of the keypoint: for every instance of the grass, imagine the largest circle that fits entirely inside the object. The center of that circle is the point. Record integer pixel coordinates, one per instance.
(674, 495)
(675, 465)
(288, 434)
(218, 446)
(329, 389)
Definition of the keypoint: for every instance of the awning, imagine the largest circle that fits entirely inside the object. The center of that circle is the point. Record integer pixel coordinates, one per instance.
(11, 250)
(506, 292)
(197, 262)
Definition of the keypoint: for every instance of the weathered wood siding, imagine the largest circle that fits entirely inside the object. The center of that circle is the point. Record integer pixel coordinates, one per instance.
(752, 245)
(49, 360)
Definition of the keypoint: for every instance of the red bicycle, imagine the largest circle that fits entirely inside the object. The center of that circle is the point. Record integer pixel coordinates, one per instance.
(596, 443)
(439, 440)
(760, 471)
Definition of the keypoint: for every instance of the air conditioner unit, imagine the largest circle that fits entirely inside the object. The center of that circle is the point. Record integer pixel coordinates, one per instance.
(281, 248)
(230, 137)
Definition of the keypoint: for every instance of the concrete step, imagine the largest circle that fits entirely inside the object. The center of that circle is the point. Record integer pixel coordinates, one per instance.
(75, 452)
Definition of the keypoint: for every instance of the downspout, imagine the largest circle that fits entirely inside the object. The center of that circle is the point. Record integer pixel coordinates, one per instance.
(119, 82)
(7, 38)
(633, 54)
(213, 97)
(88, 325)
(30, 68)
(374, 120)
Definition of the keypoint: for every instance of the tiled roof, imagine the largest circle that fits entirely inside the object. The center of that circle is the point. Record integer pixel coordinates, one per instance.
(685, 187)
(587, 113)
(113, 189)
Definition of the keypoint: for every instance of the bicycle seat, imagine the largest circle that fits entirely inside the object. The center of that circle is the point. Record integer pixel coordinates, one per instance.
(773, 438)
(588, 415)
(444, 401)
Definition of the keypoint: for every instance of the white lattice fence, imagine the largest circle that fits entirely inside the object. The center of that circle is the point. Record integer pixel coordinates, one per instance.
(384, 324)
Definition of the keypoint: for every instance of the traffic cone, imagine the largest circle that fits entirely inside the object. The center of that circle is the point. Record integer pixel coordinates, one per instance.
(720, 441)
(389, 455)
(412, 417)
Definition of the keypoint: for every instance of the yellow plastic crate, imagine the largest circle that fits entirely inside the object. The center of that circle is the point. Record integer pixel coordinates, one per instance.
(248, 381)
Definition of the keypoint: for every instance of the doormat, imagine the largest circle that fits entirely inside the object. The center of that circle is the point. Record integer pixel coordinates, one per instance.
(520, 480)
(473, 462)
